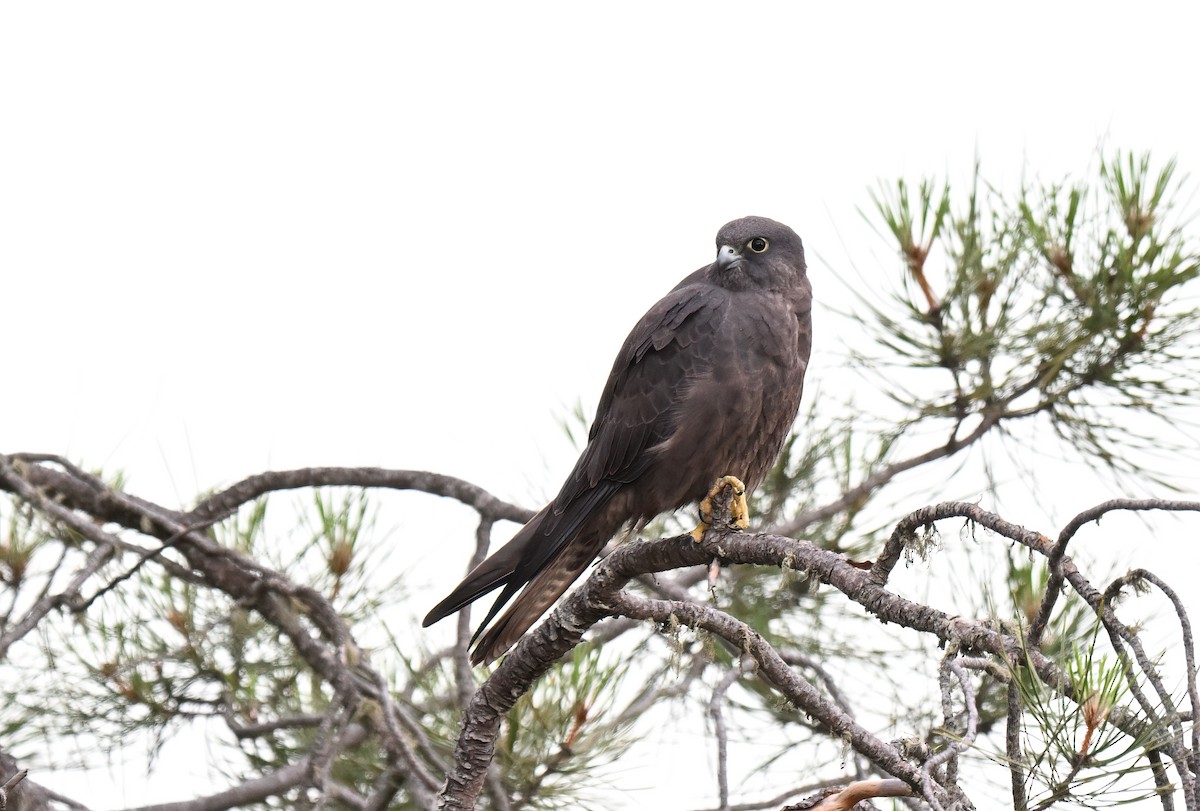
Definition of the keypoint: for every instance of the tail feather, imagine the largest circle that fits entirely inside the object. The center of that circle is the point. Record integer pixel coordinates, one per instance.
(488, 575)
(540, 594)
(546, 556)
(504, 596)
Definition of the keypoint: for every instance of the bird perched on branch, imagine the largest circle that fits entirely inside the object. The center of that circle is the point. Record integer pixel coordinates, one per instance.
(705, 388)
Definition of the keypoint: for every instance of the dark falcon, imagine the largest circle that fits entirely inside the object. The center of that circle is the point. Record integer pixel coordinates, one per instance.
(706, 386)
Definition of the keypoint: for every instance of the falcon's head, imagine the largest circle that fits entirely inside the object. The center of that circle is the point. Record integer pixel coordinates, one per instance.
(755, 252)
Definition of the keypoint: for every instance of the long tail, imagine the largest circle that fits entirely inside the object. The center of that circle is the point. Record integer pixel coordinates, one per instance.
(540, 594)
(545, 556)
(495, 571)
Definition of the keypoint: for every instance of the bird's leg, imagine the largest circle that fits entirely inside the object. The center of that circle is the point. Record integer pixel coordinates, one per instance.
(738, 509)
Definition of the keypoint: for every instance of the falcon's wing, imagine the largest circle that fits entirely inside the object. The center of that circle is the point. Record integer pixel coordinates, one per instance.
(637, 409)
(663, 354)
(660, 358)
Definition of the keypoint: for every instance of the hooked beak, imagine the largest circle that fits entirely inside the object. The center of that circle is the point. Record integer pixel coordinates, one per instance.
(728, 257)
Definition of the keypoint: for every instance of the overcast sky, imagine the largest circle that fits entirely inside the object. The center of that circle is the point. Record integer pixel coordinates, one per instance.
(237, 236)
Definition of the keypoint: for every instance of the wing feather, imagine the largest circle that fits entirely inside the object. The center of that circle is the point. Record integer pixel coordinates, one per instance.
(637, 410)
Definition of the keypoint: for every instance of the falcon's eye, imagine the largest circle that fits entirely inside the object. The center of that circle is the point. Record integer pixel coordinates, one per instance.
(758, 245)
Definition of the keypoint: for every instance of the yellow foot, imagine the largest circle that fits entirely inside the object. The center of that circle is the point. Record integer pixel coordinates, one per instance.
(737, 506)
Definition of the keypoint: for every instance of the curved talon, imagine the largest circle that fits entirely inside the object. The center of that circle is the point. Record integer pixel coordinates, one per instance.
(739, 510)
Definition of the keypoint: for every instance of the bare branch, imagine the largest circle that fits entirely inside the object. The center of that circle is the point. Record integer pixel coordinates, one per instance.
(949, 755)
(1068, 532)
(722, 735)
(774, 671)
(483, 502)
(845, 799)
(275, 784)
(835, 692)
(249, 731)
(1189, 658)
(1014, 750)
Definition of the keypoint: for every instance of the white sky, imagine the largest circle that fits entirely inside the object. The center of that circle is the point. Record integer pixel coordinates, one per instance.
(237, 236)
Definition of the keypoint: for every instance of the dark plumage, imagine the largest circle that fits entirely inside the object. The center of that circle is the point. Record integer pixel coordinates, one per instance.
(707, 385)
